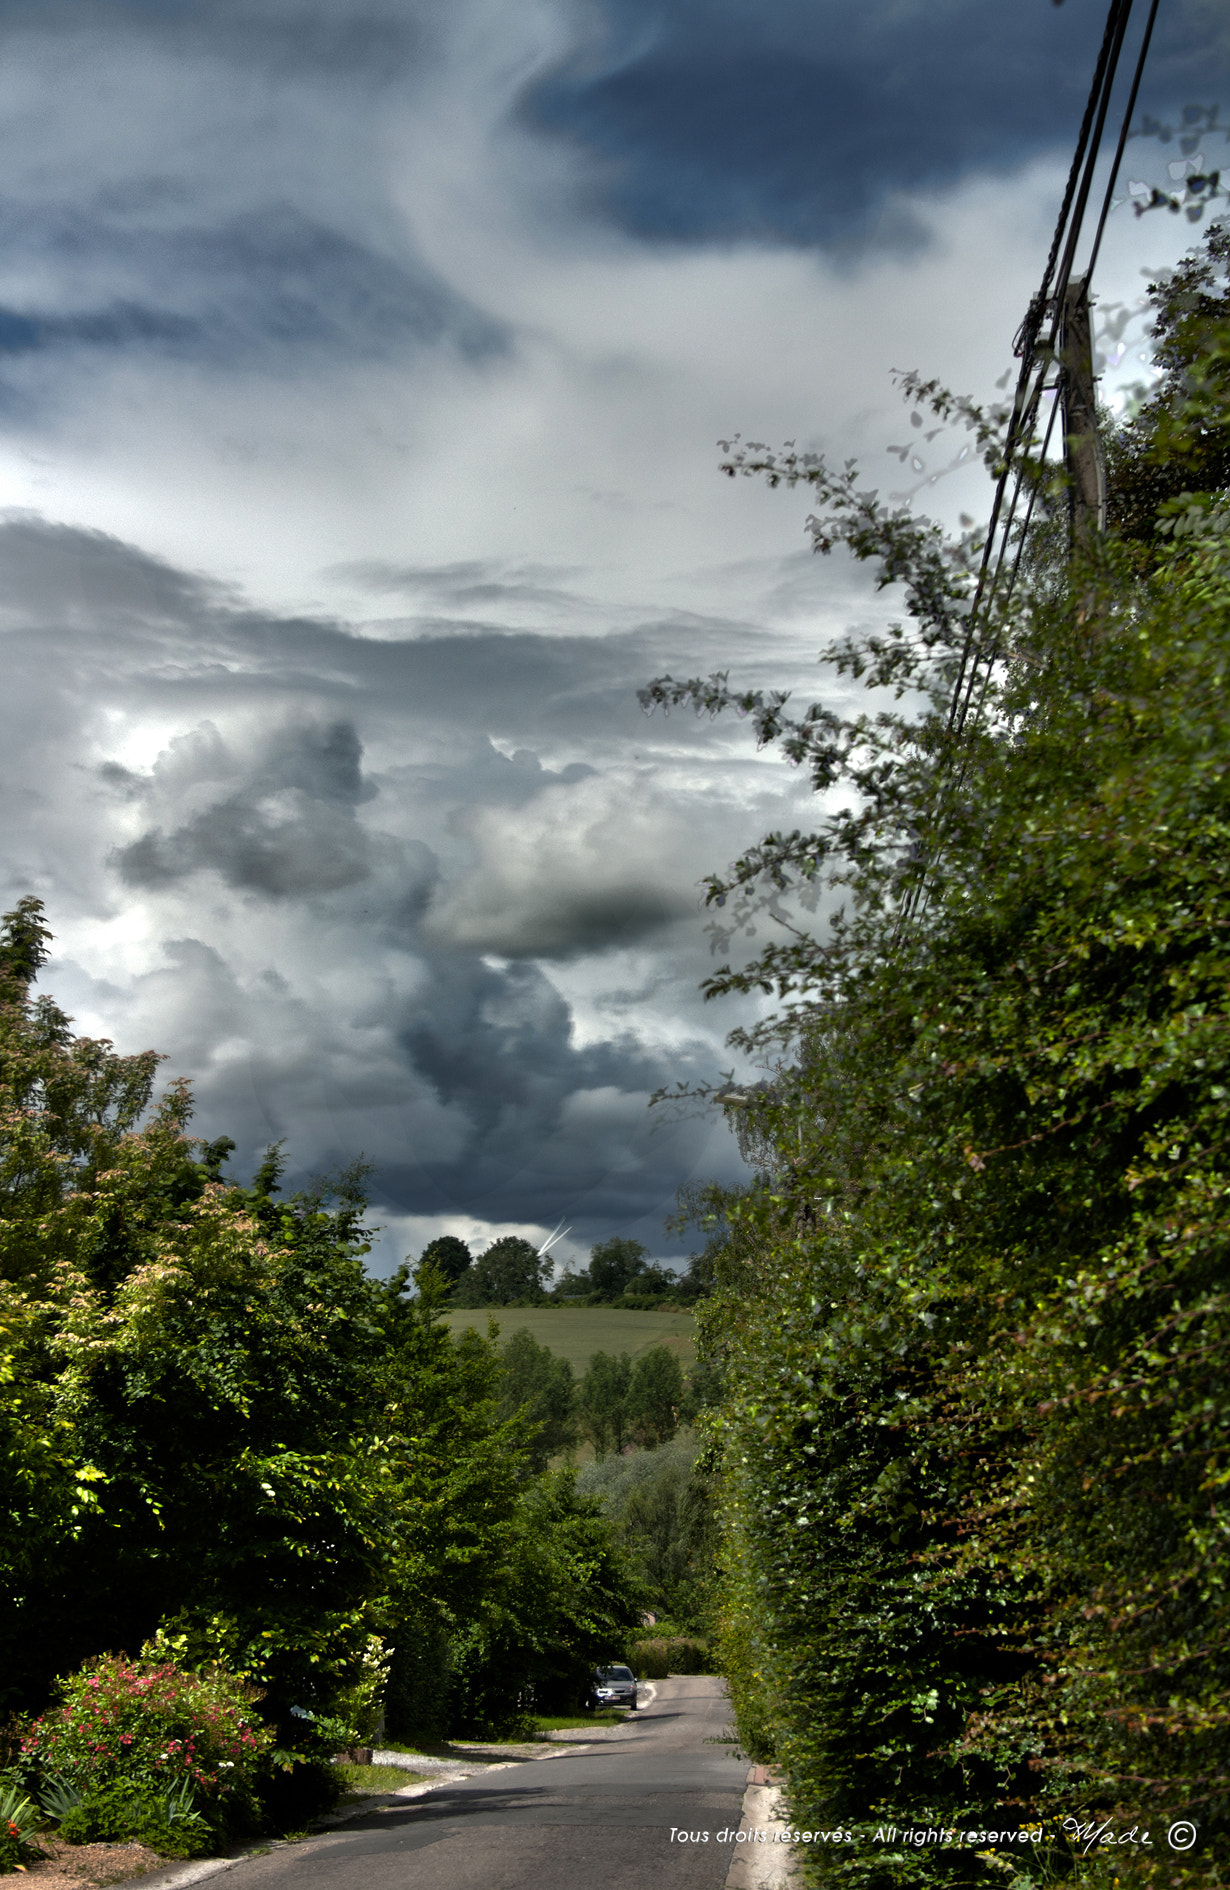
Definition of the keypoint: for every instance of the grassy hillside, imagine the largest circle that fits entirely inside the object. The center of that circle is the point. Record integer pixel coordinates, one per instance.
(576, 1333)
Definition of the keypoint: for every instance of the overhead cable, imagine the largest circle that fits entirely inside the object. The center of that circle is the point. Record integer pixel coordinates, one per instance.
(1038, 351)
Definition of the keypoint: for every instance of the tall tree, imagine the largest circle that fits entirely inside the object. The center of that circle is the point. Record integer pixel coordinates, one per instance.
(510, 1270)
(655, 1397)
(614, 1264)
(602, 1404)
(449, 1254)
(660, 1507)
(214, 1423)
(202, 1358)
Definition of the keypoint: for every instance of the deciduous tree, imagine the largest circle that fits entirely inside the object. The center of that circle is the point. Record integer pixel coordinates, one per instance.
(655, 1401)
(603, 1401)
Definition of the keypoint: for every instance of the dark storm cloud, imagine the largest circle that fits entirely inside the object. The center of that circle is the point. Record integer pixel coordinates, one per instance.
(55, 577)
(252, 851)
(499, 1041)
(369, 41)
(546, 1121)
(798, 120)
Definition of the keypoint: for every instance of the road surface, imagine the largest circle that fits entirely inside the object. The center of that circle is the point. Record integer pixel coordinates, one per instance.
(602, 1817)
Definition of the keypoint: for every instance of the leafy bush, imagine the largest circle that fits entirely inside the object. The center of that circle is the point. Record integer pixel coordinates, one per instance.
(131, 1808)
(19, 1820)
(358, 1706)
(58, 1798)
(420, 1682)
(169, 1738)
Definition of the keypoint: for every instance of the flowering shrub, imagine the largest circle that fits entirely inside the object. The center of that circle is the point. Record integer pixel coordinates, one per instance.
(151, 1722)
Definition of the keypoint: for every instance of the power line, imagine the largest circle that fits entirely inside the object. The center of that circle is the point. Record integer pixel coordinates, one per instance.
(1038, 355)
(1035, 354)
(1123, 138)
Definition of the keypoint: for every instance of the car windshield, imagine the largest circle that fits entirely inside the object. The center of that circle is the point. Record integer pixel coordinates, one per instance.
(614, 1673)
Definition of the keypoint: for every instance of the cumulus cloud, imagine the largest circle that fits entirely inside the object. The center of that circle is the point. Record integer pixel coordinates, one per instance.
(588, 866)
(281, 822)
(328, 874)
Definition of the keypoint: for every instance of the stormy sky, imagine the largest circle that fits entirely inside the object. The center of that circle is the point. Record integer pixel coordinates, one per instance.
(362, 364)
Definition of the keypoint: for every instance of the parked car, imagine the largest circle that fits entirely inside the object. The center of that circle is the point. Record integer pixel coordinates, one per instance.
(614, 1686)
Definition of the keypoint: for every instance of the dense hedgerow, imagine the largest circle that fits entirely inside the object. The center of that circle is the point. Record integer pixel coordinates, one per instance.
(973, 1319)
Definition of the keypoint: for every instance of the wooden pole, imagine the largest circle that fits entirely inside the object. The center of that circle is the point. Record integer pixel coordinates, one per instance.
(1082, 441)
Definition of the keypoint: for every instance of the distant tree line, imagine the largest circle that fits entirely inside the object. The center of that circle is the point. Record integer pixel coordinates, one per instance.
(619, 1403)
(512, 1272)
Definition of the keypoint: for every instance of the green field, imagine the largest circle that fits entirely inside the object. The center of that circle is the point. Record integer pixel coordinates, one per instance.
(576, 1333)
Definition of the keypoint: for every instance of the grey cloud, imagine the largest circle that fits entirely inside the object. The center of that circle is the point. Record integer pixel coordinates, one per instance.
(589, 865)
(477, 773)
(271, 278)
(559, 924)
(56, 576)
(285, 852)
(178, 636)
(210, 185)
(468, 585)
(423, 888)
(333, 38)
(286, 828)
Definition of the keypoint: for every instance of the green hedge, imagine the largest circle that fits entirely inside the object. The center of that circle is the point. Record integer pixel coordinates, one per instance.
(973, 1320)
(655, 1659)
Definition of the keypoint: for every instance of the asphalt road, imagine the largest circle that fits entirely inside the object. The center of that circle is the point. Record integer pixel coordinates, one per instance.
(601, 1817)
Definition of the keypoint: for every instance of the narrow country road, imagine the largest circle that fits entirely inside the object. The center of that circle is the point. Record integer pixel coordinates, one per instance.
(602, 1816)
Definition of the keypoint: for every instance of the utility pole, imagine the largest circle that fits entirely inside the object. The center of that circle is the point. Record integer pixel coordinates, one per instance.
(1082, 441)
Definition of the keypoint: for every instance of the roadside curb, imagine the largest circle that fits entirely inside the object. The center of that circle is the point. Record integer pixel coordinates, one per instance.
(196, 1870)
(763, 1861)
